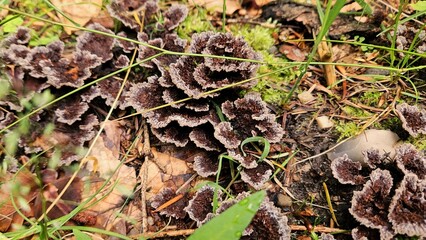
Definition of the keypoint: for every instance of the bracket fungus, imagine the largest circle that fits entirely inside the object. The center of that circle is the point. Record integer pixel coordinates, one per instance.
(347, 171)
(72, 72)
(406, 35)
(22, 36)
(258, 176)
(172, 77)
(174, 16)
(268, 223)
(51, 52)
(410, 160)
(195, 120)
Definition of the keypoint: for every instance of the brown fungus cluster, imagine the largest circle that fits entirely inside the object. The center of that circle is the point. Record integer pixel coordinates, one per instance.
(194, 121)
(36, 74)
(268, 223)
(392, 204)
(214, 121)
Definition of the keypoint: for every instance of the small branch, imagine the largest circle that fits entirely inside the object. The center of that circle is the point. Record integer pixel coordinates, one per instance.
(320, 229)
(174, 233)
(143, 175)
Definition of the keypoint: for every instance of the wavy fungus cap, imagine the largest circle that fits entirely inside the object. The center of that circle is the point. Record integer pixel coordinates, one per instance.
(257, 177)
(268, 222)
(195, 75)
(72, 72)
(132, 12)
(225, 44)
(97, 44)
(247, 117)
(174, 16)
(410, 160)
(21, 36)
(200, 207)
(413, 119)
(407, 209)
(347, 171)
(52, 52)
(373, 213)
(176, 209)
(206, 164)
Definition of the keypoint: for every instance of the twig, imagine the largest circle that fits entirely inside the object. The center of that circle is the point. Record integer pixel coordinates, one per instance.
(317, 229)
(174, 233)
(325, 54)
(143, 175)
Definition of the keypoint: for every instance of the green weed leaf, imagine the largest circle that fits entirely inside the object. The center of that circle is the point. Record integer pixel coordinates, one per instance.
(11, 23)
(267, 146)
(365, 7)
(79, 235)
(4, 87)
(419, 6)
(235, 220)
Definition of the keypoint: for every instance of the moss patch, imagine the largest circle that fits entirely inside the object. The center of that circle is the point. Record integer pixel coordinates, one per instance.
(195, 22)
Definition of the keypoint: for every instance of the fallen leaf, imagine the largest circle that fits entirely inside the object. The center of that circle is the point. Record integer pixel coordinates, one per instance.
(352, 7)
(8, 215)
(105, 160)
(262, 3)
(217, 5)
(293, 52)
(80, 11)
(164, 168)
(254, 7)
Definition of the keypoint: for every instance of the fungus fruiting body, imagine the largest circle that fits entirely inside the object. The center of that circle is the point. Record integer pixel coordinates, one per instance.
(386, 203)
(194, 113)
(413, 119)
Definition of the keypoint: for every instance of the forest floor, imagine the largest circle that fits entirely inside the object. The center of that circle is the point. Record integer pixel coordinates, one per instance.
(144, 119)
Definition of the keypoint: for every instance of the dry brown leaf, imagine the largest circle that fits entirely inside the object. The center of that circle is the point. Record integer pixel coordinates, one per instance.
(293, 52)
(106, 154)
(262, 3)
(217, 5)
(8, 215)
(352, 7)
(254, 7)
(163, 168)
(80, 11)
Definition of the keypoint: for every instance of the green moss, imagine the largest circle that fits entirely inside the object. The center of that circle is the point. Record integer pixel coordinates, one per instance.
(259, 38)
(347, 129)
(195, 22)
(273, 88)
(46, 35)
(419, 142)
(370, 98)
(356, 112)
